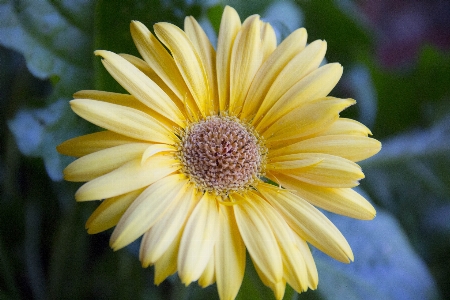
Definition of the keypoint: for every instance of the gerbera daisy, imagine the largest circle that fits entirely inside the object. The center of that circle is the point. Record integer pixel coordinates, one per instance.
(216, 153)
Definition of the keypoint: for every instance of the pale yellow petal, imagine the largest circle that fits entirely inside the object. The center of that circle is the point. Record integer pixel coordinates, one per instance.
(246, 58)
(141, 64)
(90, 143)
(229, 28)
(311, 269)
(347, 127)
(161, 62)
(109, 212)
(278, 288)
(284, 163)
(354, 148)
(166, 265)
(295, 273)
(147, 209)
(258, 237)
(269, 40)
(315, 85)
(104, 161)
(145, 68)
(199, 237)
(110, 97)
(308, 222)
(229, 255)
(188, 62)
(296, 69)
(208, 277)
(124, 120)
(343, 201)
(123, 100)
(331, 171)
(155, 149)
(307, 119)
(141, 86)
(207, 55)
(270, 69)
(131, 176)
(293, 262)
(158, 238)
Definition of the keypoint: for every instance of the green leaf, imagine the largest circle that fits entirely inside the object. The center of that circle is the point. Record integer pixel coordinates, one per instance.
(47, 34)
(55, 38)
(359, 81)
(112, 27)
(38, 131)
(252, 287)
(284, 16)
(385, 266)
(414, 96)
(338, 23)
(410, 177)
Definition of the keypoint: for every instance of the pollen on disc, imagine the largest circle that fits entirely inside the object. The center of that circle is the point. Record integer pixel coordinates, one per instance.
(220, 155)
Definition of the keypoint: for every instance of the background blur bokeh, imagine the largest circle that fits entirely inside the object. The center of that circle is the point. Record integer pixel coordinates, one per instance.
(396, 58)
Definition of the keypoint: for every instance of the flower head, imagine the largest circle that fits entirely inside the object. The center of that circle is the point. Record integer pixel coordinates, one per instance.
(213, 153)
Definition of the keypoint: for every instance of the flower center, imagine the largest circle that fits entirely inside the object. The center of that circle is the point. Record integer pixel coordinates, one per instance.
(221, 155)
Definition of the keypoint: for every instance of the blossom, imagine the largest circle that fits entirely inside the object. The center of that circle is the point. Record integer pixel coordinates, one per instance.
(214, 154)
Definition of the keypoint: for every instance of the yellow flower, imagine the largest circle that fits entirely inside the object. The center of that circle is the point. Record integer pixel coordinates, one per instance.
(217, 152)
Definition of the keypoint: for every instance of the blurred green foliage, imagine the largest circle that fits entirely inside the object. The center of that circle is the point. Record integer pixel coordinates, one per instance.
(47, 55)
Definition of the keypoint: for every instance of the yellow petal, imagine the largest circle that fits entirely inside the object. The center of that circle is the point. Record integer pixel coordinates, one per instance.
(229, 255)
(167, 263)
(297, 68)
(147, 209)
(347, 126)
(109, 212)
(188, 62)
(284, 163)
(354, 148)
(114, 98)
(343, 201)
(154, 149)
(123, 100)
(159, 238)
(270, 69)
(315, 85)
(90, 143)
(311, 269)
(258, 236)
(331, 171)
(293, 263)
(208, 57)
(269, 40)
(208, 276)
(246, 58)
(124, 120)
(229, 28)
(307, 119)
(145, 68)
(199, 237)
(104, 161)
(141, 86)
(159, 59)
(141, 64)
(308, 222)
(278, 288)
(131, 176)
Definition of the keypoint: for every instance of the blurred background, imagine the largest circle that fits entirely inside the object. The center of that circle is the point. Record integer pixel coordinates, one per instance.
(396, 58)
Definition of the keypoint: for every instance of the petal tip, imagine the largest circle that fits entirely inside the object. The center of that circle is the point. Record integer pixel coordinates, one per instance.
(101, 53)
